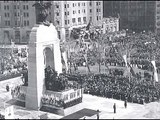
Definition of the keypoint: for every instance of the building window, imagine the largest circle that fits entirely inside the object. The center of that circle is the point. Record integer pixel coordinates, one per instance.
(84, 19)
(18, 13)
(57, 13)
(97, 10)
(73, 20)
(27, 14)
(17, 35)
(57, 6)
(97, 17)
(14, 6)
(65, 13)
(73, 4)
(17, 6)
(79, 19)
(5, 14)
(8, 14)
(68, 21)
(27, 7)
(65, 6)
(65, 22)
(6, 23)
(97, 3)
(24, 14)
(27, 23)
(78, 4)
(68, 12)
(74, 11)
(4, 7)
(7, 7)
(90, 3)
(78, 11)
(90, 10)
(84, 11)
(90, 18)
(57, 22)
(24, 23)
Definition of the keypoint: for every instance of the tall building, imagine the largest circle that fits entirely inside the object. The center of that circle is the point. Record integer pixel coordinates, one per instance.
(18, 17)
(72, 14)
(135, 15)
(16, 20)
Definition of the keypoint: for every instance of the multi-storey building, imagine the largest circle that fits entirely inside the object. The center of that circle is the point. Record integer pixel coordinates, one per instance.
(135, 15)
(110, 24)
(18, 17)
(16, 20)
(72, 14)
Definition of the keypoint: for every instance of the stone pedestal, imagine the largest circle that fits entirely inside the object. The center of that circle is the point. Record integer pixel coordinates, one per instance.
(41, 37)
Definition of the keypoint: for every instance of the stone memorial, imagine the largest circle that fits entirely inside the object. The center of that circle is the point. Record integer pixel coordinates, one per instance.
(43, 43)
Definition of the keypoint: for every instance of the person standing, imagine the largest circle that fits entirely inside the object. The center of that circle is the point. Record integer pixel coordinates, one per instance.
(7, 88)
(125, 103)
(114, 107)
(97, 114)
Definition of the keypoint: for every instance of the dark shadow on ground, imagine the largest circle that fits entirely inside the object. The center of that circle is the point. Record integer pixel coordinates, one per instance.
(16, 102)
(81, 113)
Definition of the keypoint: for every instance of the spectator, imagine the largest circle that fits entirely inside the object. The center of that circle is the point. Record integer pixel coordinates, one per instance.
(97, 114)
(114, 107)
(7, 88)
(125, 103)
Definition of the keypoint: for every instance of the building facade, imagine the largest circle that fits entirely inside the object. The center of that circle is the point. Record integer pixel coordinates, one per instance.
(110, 24)
(18, 17)
(73, 14)
(16, 20)
(135, 15)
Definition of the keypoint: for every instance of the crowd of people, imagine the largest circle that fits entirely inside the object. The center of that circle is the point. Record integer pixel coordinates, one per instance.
(56, 82)
(17, 93)
(52, 101)
(12, 62)
(120, 87)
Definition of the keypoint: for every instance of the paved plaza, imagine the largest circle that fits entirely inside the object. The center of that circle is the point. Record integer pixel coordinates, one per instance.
(104, 105)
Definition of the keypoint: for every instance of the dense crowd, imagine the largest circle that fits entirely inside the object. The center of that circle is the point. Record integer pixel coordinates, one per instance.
(49, 101)
(54, 82)
(12, 61)
(120, 87)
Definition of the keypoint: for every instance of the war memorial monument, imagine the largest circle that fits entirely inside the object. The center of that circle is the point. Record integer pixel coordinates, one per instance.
(44, 55)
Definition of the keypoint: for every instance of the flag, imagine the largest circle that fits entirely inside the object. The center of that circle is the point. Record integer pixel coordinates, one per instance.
(155, 70)
(64, 54)
(88, 26)
(9, 112)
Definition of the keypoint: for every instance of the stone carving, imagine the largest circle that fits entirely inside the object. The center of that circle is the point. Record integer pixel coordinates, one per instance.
(42, 12)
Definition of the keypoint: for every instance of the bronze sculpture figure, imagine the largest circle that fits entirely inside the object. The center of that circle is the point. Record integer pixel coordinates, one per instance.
(42, 12)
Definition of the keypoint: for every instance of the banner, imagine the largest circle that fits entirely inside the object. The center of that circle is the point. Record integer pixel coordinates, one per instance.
(155, 70)
(9, 113)
(125, 59)
(64, 54)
